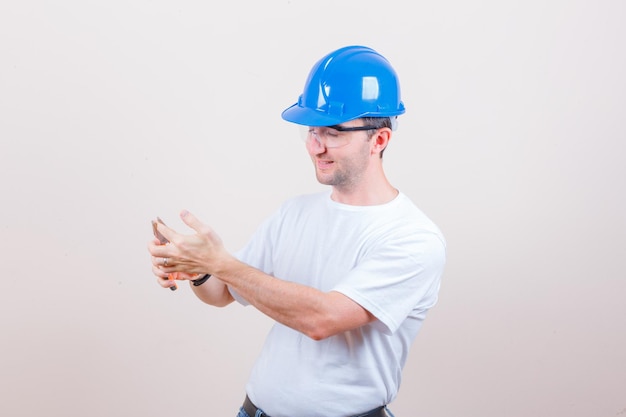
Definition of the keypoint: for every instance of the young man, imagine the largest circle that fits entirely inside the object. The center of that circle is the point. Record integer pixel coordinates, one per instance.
(348, 274)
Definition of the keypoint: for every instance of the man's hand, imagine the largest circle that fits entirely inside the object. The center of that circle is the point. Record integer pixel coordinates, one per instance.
(186, 256)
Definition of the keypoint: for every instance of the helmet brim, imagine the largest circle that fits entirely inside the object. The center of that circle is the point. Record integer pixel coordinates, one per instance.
(310, 117)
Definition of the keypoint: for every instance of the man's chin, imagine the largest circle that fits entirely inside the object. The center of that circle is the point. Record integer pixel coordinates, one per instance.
(324, 179)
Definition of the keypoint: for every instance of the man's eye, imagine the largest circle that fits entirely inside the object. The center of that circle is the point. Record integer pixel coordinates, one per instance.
(332, 133)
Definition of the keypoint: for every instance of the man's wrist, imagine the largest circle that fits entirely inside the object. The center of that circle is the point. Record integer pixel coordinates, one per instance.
(201, 280)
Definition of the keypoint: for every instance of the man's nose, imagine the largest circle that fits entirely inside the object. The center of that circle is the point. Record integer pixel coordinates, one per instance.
(316, 143)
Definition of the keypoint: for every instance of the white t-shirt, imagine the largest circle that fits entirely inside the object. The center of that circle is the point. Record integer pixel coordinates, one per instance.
(388, 258)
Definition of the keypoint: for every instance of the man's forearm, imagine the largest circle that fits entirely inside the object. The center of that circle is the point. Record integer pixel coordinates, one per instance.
(305, 309)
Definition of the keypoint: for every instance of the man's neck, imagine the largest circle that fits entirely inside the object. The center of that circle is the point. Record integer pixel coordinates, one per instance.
(366, 195)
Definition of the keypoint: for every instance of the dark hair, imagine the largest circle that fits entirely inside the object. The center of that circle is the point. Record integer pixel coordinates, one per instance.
(378, 123)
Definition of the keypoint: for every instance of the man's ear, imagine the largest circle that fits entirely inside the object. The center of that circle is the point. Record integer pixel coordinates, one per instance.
(381, 140)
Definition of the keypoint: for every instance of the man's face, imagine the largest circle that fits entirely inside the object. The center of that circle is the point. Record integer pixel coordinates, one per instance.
(344, 166)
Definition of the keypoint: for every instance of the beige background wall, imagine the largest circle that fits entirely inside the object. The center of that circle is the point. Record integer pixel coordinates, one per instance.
(114, 112)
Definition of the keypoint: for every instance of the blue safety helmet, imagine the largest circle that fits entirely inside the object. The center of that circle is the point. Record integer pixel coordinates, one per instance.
(346, 84)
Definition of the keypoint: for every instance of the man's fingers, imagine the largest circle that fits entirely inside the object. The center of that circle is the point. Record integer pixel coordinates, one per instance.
(160, 274)
(160, 251)
(193, 222)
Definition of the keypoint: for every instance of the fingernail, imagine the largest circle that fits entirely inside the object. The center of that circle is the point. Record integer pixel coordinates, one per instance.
(173, 288)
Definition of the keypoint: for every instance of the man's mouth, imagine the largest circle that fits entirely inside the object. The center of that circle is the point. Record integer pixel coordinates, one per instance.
(324, 163)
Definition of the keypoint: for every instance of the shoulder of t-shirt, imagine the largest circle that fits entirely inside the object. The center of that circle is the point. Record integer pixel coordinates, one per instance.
(421, 222)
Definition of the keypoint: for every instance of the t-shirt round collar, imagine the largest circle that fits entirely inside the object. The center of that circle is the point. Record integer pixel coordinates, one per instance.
(354, 208)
